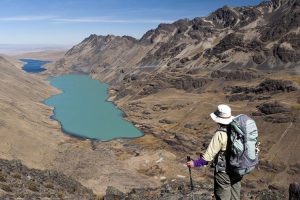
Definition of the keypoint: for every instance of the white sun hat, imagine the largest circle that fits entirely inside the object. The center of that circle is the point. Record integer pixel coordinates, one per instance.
(222, 115)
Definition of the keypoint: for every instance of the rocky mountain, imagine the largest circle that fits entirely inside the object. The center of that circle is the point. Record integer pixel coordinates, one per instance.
(264, 37)
(169, 81)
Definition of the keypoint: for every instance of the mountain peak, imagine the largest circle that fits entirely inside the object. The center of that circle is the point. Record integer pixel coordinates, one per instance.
(224, 17)
(278, 3)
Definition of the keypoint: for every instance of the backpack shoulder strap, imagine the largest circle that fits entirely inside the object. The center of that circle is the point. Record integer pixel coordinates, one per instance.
(225, 130)
(222, 129)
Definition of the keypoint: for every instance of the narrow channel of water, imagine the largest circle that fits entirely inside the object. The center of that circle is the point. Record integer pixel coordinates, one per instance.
(34, 66)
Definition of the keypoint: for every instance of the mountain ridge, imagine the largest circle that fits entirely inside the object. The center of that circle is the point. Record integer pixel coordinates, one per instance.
(229, 36)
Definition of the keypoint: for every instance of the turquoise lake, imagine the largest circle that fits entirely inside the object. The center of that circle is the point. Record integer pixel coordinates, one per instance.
(83, 111)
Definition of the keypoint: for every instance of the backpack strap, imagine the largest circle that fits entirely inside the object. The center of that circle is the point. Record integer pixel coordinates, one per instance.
(221, 158)
(222, 129)
(226, 130)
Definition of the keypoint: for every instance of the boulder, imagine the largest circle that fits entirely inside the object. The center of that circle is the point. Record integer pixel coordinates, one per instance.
(166, 121)
(272, 108)
(188, 83)
(174, 190)
(270, 85)
(258, 58)
(294, 191)
(274, 112)
(294, 169)
(235, 75)
(266, 86)
(113, 193)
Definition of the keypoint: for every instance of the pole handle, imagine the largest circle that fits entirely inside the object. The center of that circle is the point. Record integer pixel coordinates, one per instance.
(188, 158)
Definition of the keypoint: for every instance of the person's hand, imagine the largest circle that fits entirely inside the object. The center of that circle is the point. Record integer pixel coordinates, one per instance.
(190, 164)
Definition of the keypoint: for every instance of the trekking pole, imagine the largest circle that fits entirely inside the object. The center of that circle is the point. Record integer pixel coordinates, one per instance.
(190, 171)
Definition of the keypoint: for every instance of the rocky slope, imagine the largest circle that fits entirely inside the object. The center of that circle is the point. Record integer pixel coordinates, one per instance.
(19, 182)
(181, 190)
(25, 129)
(169, 81)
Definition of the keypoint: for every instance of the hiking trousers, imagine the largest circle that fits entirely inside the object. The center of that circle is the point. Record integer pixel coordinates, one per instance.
(227, 187)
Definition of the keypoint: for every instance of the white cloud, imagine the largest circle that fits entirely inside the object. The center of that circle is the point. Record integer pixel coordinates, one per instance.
(26, 18)
(56, 19)
(107, 20)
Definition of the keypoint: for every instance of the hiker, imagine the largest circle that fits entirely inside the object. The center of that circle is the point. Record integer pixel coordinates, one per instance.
(227, 185)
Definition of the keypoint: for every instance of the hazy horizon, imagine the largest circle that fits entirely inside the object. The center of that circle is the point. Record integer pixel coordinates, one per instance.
(16, 49)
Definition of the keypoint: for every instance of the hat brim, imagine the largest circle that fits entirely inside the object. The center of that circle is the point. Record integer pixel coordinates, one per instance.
(220, 120)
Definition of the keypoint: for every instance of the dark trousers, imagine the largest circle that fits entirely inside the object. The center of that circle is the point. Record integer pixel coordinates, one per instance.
(227, 187)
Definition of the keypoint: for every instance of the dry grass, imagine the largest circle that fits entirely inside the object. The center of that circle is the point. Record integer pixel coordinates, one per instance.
(148, 141)
(2, 178)
(49, 185)
(16, 175)
(6, 188)
(61, 194)
(295, 107)
(32, 186)
(25, 119)
(295, 79)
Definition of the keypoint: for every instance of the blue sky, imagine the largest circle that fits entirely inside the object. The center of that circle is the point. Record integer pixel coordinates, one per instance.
(68, 22)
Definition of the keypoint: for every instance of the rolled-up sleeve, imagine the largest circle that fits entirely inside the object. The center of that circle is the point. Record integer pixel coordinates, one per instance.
(217, 143)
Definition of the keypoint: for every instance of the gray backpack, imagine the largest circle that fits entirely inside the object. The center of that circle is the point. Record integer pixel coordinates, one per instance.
(243, 157)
